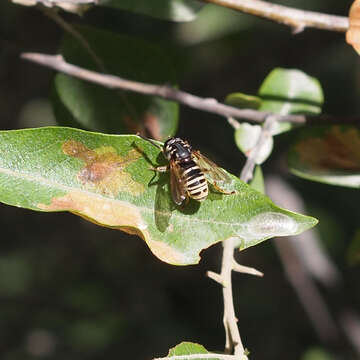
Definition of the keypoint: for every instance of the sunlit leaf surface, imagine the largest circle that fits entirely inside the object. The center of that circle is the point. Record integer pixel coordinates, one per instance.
(290, 91)
(108, 179)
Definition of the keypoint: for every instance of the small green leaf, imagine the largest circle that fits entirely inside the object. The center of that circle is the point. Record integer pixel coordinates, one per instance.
(175, 10)
(189, 351)
(290, 91)
(246, 138)
(257, 181)
(187, 348)
(327, 154)
(244, 101)
(108, 179)
(82, 104)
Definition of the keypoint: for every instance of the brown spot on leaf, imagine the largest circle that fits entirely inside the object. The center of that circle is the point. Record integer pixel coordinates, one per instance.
(104, 168)
(338, 149)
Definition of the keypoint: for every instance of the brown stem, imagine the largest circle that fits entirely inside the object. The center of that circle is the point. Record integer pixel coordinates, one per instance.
(297, 19)
(57, 62)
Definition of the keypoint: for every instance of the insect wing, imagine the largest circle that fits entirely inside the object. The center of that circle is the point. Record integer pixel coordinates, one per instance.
(178, 191)
(211, 170)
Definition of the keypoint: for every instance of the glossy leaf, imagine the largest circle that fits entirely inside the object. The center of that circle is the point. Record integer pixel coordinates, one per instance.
(108, 179)
(82, 104)
(328, 154)
(175, 10)
(290, 91)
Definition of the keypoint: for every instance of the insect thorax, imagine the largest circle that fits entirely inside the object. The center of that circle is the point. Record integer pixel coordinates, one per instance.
(177, 149)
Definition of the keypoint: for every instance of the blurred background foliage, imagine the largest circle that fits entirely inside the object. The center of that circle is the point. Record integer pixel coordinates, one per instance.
(69, 289)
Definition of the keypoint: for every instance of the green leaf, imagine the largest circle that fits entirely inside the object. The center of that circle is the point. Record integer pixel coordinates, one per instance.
(290, 91)
(175, 10)
(82, 104)
(242, 100)
(317, 353)
(187, 348)
(180, 352)
(327, 154)
(108, 179)
(257, 182)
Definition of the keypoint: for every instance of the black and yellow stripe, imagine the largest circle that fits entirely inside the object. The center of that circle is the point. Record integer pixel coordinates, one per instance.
(195, 182)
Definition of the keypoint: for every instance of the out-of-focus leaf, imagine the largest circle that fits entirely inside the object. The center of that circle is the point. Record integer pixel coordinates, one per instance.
(243, 101)
(353, 254)
(317, 354)
(290, 91)
(247, 136)
(15, 275)
(82, 104)
(175, 10)
(353, 33)
(328, 154)
(207, 27)
(108, 179)
(257, 181)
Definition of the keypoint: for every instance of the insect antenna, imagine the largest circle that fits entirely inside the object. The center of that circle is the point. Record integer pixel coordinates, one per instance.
(150, 141)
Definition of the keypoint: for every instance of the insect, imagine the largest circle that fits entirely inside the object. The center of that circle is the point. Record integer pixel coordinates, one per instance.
(190, 171)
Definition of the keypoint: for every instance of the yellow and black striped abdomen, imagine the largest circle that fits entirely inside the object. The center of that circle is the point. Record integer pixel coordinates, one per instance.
(194, 181)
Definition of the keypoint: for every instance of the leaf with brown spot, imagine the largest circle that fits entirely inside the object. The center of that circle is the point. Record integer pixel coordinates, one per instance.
(104, 169)
(329, 154)
(108, 179)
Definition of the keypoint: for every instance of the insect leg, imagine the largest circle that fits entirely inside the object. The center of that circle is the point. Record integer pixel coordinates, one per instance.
(162, 169)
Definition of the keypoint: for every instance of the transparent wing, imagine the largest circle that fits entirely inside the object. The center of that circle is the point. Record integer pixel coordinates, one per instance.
(211, 170)
(178, 191)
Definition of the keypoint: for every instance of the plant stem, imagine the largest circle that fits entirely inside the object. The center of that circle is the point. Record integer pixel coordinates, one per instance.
(233, 339)
(210, 105)
(296, 18)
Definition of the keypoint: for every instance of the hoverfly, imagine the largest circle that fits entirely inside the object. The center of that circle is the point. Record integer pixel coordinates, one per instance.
(190, 171)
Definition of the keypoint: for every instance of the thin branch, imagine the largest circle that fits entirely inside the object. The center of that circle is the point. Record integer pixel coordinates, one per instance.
(246, 269)
(233, 339)
(297, 19)
(50, 3)
(57, 62)
(210, 105)
(216, 277)
(248, 169)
